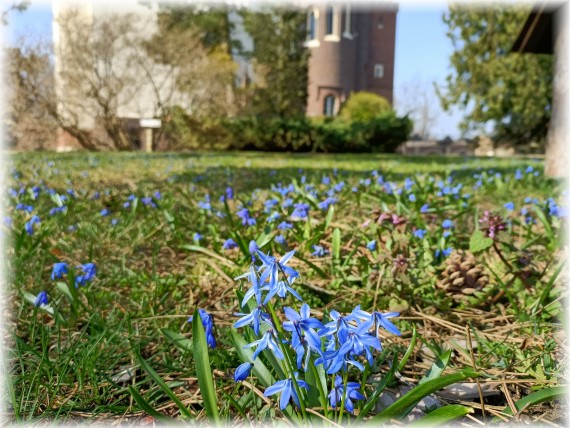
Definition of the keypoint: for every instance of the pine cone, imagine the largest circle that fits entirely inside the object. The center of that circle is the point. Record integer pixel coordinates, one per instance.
(462, 276)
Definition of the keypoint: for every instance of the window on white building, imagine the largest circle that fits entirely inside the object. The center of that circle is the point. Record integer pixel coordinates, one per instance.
(379, 71)
(329, 105)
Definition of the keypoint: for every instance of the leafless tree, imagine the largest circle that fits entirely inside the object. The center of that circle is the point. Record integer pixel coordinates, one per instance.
(417, 99)
(109, 67)
(29, 125)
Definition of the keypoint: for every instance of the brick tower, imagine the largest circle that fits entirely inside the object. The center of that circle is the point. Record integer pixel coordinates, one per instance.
(352, 49)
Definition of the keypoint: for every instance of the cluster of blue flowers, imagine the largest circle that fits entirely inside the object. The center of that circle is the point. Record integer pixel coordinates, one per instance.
(345, 340)
(84, 273)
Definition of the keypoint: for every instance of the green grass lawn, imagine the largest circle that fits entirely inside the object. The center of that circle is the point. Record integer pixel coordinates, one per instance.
(460, 247)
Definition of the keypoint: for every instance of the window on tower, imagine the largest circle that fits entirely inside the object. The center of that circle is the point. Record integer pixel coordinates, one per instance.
(379, 71)
(329, 105)
(330, 21)
(312, 25)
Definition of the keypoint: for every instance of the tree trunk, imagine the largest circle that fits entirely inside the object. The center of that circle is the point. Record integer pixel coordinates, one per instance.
(557, 160)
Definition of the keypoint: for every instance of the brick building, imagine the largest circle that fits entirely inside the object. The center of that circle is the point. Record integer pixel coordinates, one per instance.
(352, 49)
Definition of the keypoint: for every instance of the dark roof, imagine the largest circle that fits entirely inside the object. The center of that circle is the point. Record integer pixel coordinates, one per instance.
(537, 33)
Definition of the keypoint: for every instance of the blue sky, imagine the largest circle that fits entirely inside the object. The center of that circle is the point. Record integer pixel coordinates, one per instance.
(422, 49)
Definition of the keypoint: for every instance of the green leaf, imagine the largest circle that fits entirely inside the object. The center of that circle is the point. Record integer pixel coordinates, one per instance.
(442, 415)
(399, 409)
(437, 367)
(386, 379)
(146, 407)
(63, 287)
(178, 339)
(336, 243)
(479, 242)
(203, 369)
(537, 397)
(542, 217)
(162, 384)
(329, 217)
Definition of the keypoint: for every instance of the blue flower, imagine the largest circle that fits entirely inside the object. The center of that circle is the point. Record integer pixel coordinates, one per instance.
(104, 212)
(229, 244)
(29, 226)
(242, 372)
(197, 237)
(41, 299)
(148, 202)
(114, 221)
(447, 224)
(301, 322)
(424, 208)
(58, 270)
(378, 319)
(327, 202)
(319, 251)
(352, 393)
(509, 206)
(287, 390)
(281, 288)
(445, 252)
(267, 341)
(280, 239)
(157, 195)
(412, 197)
(253, 248)
(271, 268)
(284, 225)
(208, 323)
(420, 233)
(229, 193)
(301, 211)
(89, 271)
(371, 245)
(246, 220)
(254, 318)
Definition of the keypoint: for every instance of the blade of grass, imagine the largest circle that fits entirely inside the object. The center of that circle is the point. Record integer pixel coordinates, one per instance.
(203, 369)
(146, 407)
(162, 385)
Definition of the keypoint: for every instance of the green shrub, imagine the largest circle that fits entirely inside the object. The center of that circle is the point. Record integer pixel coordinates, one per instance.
(364, 107)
